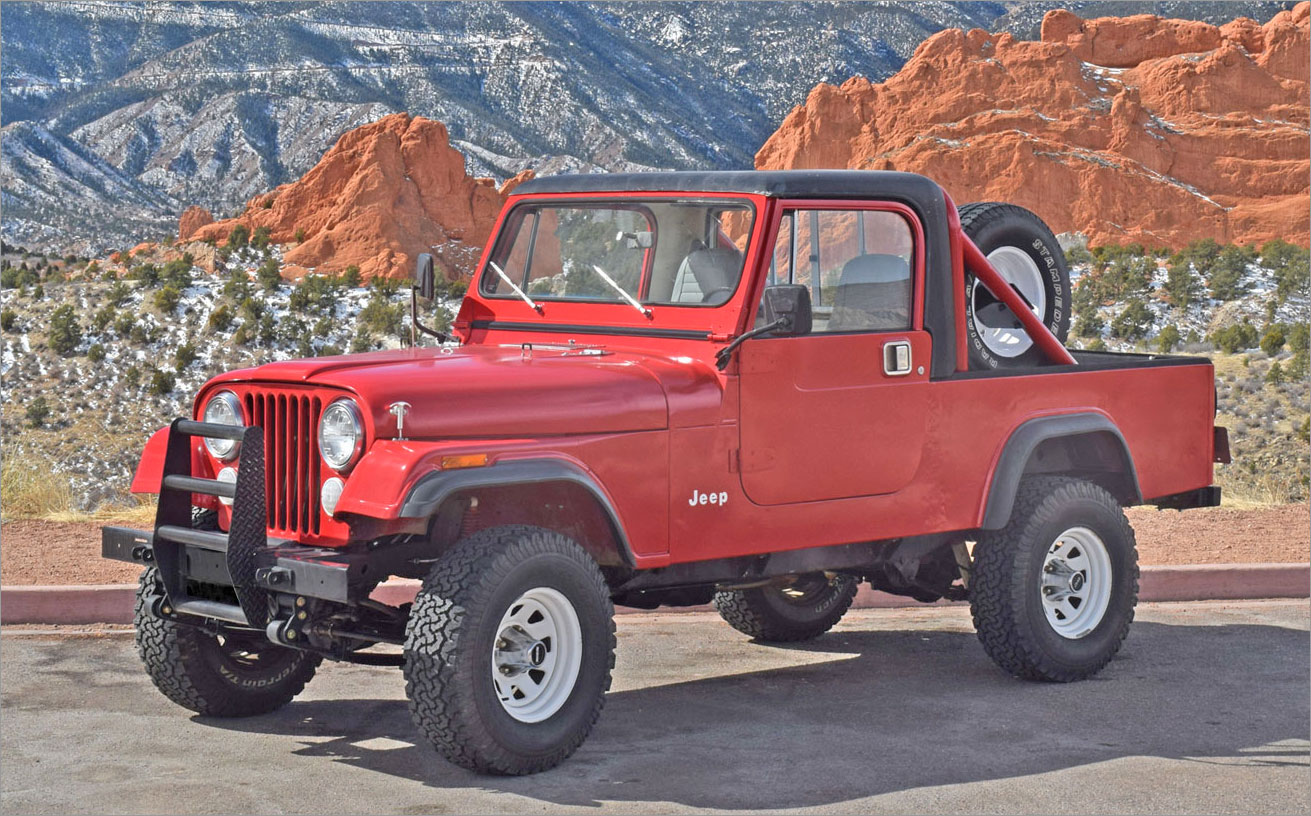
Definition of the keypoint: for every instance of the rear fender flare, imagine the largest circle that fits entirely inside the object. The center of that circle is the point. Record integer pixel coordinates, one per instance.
(1020, 447)
(430, 491)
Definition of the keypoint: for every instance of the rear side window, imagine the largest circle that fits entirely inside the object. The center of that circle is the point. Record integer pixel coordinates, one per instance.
(856, 263)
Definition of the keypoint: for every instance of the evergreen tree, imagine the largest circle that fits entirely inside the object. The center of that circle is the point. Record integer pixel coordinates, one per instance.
(65, 331)
(1168, 339)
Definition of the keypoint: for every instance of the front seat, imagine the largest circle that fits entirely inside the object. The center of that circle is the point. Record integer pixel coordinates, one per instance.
(709, 276)
(873, 294)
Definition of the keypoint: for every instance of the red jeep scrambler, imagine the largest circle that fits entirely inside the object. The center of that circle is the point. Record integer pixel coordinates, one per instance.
(758, 389)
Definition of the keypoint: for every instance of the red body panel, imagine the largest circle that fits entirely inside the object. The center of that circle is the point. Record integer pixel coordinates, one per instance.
(967, 423)
(821, 420)
(802, 441)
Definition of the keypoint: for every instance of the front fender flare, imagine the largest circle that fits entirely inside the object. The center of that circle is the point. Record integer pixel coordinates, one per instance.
(1025, 440)
(428, 493)
(150, 470)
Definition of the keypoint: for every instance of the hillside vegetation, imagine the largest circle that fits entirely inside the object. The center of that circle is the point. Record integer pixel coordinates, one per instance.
(94, 360)
(1248, 309)
(97, 355)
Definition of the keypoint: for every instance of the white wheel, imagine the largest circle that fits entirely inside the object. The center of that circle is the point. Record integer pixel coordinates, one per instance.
(1000, 330)
(537, 655)
(1076, 582)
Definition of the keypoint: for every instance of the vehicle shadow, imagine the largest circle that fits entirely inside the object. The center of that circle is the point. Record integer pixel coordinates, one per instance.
(891, 711)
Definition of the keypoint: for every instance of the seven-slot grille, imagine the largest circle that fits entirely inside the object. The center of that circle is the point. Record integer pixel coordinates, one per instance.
(291, 457)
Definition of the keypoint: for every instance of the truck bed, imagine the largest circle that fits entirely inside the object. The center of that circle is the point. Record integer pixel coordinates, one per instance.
(1098, 360)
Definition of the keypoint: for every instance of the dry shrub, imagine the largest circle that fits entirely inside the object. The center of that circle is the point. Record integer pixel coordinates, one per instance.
(141, 514)
(27, 492)
(1249, 491)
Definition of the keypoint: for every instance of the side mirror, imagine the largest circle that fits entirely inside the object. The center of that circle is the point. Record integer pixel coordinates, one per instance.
(790, 302)
(425, 282)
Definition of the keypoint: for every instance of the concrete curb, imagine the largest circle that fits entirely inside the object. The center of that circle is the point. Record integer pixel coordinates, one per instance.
(112, 603)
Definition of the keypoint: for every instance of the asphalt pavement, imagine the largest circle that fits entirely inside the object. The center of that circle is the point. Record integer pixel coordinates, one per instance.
(1204, 711)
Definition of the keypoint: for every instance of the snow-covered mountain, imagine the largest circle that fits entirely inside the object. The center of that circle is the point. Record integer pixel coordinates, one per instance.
(55, 188)
(155, 106)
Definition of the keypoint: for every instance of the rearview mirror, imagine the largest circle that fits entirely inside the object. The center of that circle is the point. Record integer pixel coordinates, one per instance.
(792, 303)
(642, 239)
(424, 280)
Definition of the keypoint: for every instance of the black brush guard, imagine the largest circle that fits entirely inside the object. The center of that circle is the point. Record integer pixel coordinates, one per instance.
(259, 570)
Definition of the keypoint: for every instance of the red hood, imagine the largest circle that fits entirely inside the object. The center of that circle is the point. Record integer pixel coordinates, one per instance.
(501, 391)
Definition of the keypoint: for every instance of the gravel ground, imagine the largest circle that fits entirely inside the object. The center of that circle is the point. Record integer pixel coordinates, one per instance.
(41, 552)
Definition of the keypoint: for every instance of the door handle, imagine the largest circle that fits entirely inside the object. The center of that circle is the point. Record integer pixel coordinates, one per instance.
(896, 358)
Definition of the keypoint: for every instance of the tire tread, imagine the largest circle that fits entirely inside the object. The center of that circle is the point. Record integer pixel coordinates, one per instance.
(458, 587)
(172, 656)
(1000, 580)
(748, 611)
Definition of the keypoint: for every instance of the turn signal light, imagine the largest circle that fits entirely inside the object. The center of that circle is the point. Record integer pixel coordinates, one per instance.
(464, 460)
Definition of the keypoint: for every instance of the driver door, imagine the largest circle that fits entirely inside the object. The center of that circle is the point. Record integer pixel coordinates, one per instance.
(840, 412)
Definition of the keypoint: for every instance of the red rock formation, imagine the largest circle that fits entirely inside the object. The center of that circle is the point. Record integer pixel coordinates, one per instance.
(384, 193)
(193, 218)
(1125, 129)
(519, 178)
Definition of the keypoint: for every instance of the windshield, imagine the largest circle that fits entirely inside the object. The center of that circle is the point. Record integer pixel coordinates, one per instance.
(675, 252)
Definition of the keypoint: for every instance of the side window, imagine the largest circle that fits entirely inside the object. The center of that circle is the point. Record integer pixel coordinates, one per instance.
(856, 263)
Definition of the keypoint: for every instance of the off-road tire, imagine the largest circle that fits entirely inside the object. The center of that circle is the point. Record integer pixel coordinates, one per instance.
(992, 225)
(450, 636)
(767, 614)
(1005, 582)
(197, 671)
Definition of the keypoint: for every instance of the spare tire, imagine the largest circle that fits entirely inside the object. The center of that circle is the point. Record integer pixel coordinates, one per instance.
(1023, 250)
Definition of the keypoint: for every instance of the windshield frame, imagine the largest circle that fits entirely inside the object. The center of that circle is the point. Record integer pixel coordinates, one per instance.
(511, 223)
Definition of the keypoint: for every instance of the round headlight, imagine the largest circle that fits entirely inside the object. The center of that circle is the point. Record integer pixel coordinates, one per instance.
(223, 409)
(341, 434)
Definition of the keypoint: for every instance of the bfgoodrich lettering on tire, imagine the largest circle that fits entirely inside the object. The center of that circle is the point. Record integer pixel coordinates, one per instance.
(1026, 254)
(235, 675)
(1053, 593)
(509, 649)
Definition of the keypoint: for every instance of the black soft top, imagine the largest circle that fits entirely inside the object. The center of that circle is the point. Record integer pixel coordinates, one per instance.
(919, 193)
(777, 183)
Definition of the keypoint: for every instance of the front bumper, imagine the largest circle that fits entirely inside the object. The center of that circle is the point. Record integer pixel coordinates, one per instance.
(283, 566)
(266, 577)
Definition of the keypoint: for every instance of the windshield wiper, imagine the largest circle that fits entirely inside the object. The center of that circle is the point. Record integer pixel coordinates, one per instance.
(623, 293)
(501, 273)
